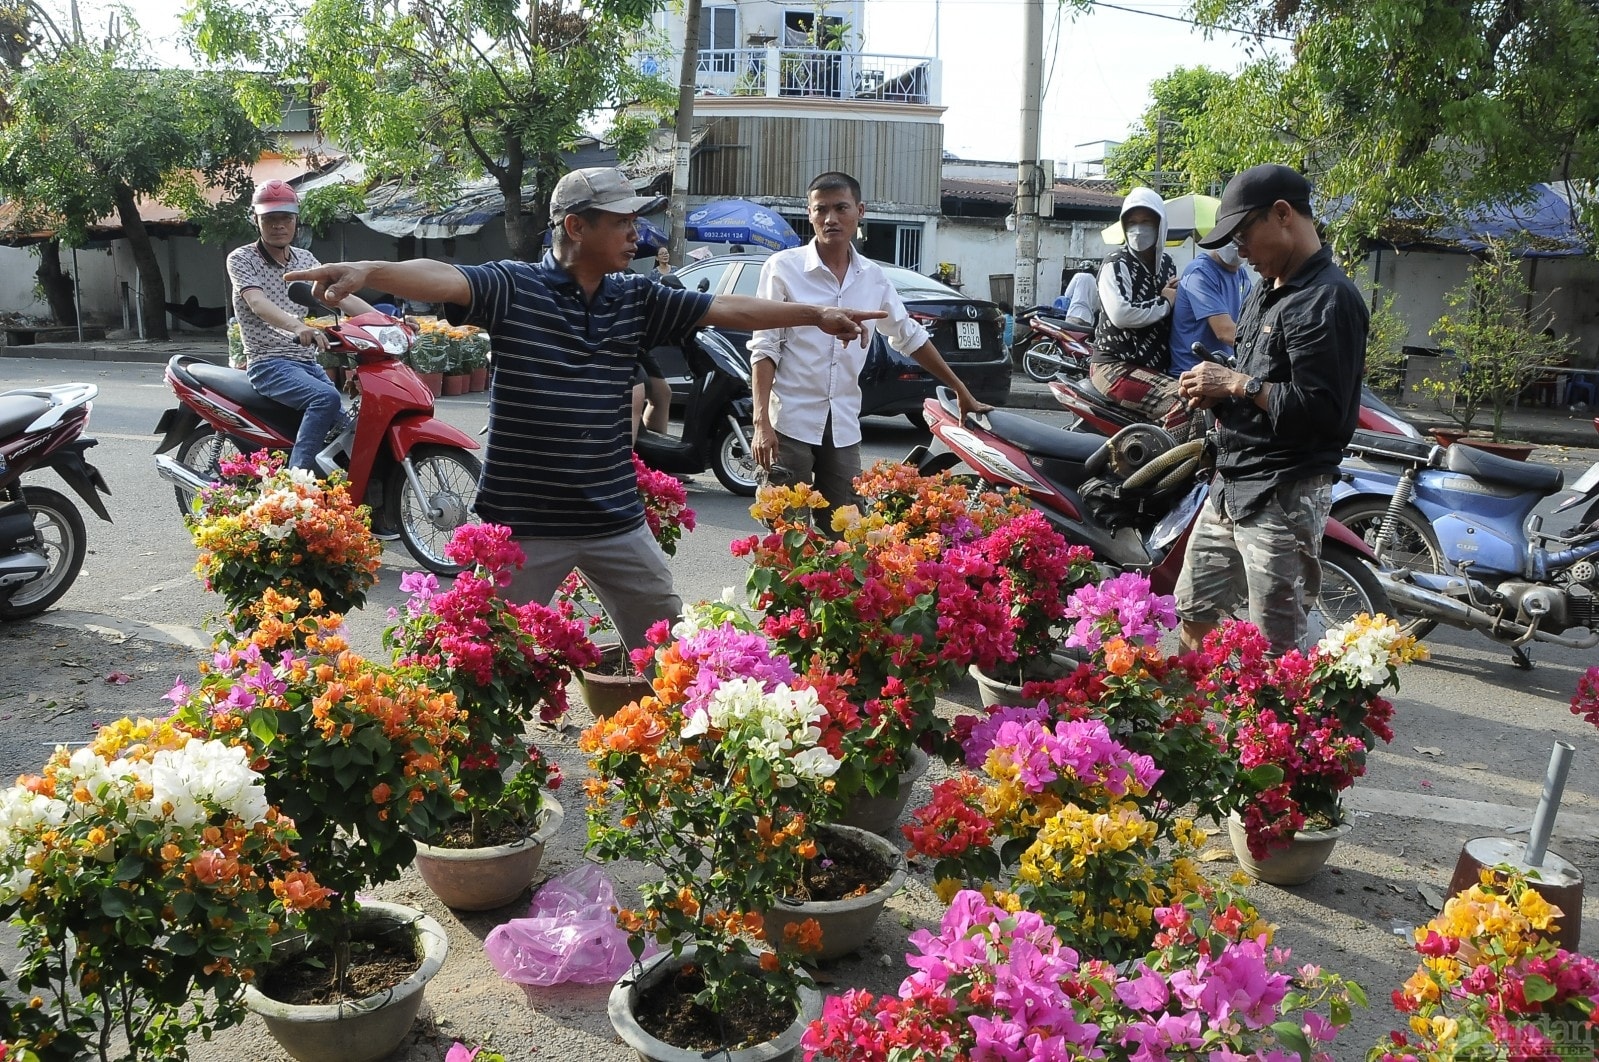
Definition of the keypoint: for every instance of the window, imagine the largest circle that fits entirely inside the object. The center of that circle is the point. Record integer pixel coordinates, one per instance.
(719, 35)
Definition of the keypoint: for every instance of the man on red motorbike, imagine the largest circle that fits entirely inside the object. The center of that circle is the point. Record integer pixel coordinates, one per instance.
(1283, 416)
(567, 334)
(280, 347)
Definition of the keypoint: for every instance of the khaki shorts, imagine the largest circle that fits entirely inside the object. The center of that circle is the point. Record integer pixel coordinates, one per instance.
(1269, 561)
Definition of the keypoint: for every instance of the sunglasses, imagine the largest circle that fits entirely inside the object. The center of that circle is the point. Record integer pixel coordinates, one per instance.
(1240, 235)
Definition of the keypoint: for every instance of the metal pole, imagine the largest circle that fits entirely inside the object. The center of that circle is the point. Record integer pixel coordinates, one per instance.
(77, 294)
(1025, 289)
(1543, 820)
(687, 76)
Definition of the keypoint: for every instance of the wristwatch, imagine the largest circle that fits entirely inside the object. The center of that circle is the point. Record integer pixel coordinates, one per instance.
(1252, 387)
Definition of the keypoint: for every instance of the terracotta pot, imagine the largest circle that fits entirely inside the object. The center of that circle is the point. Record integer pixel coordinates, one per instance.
(478, 378)
(434, 381)
(367, 1029)
(1513, 450)
(881, 813)
(846, 924)
(1302, 860)
(604, 694)
(481, 879)
(638, 981)
(455, 383)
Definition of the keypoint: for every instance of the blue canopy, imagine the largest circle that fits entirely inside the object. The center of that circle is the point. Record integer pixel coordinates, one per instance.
(739, 221)
(1542, 225)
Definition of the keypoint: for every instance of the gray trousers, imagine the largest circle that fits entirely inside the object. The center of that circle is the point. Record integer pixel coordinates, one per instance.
(627, 572)
(830, 469)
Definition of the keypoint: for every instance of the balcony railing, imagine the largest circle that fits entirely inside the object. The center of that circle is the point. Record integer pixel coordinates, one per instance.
(818, 74)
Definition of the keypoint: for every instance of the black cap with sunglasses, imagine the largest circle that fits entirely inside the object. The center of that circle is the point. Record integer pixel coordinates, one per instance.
(1252, 190)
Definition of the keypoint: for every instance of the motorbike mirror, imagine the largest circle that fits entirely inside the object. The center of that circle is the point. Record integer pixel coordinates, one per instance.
(300, 293)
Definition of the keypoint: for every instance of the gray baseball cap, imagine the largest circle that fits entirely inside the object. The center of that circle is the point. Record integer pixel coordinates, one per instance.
(600, 188)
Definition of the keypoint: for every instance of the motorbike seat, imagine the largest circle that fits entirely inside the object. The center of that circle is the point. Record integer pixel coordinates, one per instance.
(18, 411)
(1491, 468)
(234, 385)
(1106, 409)
(1041, 440)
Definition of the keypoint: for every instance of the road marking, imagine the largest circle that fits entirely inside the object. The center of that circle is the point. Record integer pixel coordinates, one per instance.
(1481, 813)
(139, 595)
(124, 437)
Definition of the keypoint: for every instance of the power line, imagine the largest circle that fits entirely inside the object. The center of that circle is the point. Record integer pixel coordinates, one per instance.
(1188, 21)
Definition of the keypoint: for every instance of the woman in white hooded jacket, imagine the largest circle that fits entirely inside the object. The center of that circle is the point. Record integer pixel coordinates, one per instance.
(1132, 338)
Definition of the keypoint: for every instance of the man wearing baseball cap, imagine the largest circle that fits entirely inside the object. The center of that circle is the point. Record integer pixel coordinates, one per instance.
(1283, 416)
(567, 333)
(279, 347)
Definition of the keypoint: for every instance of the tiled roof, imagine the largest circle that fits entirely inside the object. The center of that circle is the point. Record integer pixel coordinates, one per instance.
(1072, 196)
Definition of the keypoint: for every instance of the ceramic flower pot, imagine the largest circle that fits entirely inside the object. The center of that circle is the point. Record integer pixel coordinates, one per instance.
(367, 1029)
(846, 924)
(604, 691)
(881, 813)
(456, 383)
(479, 378)
(637, 983)
(433, 381)
(481, 879)
(1002, 690)
(1296, 864)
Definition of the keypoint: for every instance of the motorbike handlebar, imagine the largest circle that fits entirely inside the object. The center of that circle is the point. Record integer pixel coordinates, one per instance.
(300, 292)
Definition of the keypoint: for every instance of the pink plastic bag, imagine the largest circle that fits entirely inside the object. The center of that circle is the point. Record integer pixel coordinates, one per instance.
(570, 934)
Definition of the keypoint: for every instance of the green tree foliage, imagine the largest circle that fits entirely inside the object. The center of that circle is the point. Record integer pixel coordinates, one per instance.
(1499, 336)
(1163, 139)
(1417, 106)
(444, 90)
(86, 135)
(1385, 341)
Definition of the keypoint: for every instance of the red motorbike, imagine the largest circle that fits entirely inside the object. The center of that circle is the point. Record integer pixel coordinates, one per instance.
(1055, 349)
(1132, 498)
(42, 538)
(417, 473)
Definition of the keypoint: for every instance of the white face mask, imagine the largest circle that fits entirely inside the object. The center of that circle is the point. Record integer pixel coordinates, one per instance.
(1227, 254)
(1140, 237)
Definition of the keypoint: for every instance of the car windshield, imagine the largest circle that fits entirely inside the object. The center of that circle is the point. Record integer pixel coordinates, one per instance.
(914, 287)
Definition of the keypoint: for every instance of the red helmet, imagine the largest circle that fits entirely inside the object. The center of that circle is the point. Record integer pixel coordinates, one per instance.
(275, 197)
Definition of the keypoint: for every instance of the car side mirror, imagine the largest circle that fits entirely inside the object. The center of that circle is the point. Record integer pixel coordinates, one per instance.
(670, 281)
(703, 285)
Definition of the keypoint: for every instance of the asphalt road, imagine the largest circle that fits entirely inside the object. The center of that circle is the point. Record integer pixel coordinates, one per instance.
(1473, 734)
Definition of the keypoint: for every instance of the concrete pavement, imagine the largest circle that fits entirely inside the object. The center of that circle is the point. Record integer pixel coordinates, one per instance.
(1545, 426)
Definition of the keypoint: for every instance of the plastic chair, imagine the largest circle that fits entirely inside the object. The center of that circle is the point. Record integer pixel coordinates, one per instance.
(1581, 388)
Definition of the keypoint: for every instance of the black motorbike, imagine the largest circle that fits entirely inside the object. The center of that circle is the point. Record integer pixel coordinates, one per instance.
(718, 418)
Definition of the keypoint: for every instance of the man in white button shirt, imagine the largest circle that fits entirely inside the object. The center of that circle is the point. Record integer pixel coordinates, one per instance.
(807, 388)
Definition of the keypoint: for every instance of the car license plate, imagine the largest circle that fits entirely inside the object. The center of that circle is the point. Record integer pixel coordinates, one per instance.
(968, 336)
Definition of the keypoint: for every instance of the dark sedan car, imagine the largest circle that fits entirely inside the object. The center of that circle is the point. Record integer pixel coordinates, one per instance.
(969, 334)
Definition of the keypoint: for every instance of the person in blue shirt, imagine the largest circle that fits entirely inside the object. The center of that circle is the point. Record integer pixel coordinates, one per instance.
(1210, 294)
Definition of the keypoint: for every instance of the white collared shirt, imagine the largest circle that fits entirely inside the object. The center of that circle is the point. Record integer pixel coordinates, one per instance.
(818, 375)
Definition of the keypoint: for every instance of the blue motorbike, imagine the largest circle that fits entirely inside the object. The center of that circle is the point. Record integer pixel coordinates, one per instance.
(1459, 543)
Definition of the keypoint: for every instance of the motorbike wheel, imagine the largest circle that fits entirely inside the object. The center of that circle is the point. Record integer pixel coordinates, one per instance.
(449, 483)
(1414, 546)
(59, 526)
(733, 463)
(1042, 361)
(203, 451)
(1348, 588)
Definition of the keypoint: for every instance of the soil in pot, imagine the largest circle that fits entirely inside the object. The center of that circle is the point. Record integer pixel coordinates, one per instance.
(843, 868)
(458, 834)
(376, 965)
(667, 1011)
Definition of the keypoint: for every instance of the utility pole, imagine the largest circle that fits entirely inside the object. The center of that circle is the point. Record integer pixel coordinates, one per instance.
(686, 78)
(1025, 291)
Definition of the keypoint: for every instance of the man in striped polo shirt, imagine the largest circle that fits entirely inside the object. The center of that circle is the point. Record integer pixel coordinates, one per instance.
(567, 334)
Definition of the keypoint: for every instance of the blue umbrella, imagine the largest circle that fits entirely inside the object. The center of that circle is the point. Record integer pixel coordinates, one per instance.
(739, 221)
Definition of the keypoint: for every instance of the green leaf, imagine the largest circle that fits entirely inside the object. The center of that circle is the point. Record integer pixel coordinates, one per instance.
(1293, 1038)
(1537, 989)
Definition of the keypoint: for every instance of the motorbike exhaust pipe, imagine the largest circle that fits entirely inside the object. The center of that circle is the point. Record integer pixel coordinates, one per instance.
(1408, 597)
(180, 475)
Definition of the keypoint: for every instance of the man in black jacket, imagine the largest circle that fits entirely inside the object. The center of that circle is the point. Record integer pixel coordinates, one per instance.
(1283, 416)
